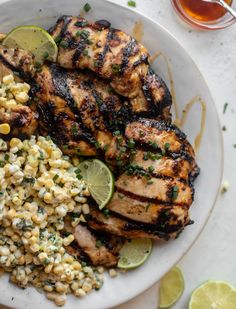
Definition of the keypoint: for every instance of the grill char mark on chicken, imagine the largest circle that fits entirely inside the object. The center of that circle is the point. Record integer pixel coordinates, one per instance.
(147, 212)
(132, 229)
(115, 56)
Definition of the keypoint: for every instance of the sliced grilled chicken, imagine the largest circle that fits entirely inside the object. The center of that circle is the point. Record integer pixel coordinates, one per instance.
(97, 252)
(116, 56)
(132, 229)
(162, 165)
(147, 212)
(159, 135)
(155, 189)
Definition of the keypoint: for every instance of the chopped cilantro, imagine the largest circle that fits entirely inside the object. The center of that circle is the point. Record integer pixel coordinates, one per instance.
(131, 143)
(87, 7)
(116, 68)
(57, 39)
(45, 55)
(98, 243)
(175, 192)
(131, 3)
(41, 156)
(225, 107)
(55, 177)
(6, 157)
(64, 44)
(106, 213)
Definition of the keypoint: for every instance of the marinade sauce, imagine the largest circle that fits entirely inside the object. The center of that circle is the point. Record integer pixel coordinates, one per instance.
(203, 11)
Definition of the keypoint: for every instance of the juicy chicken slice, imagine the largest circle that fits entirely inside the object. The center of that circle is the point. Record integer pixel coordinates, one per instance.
(98, 254)
(162, 165)
(159, 135)
(132, 229)
(148, 212)
(115, 56)
(155, 189)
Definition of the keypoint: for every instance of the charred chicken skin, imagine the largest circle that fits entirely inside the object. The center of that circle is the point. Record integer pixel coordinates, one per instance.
(118, 111)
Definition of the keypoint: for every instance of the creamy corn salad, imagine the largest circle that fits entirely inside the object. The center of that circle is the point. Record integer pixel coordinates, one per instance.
(38, 188)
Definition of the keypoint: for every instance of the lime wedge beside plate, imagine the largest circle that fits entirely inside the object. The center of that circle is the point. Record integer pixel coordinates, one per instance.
(171, 288)
(99, 180)
(213, 295)
(33, 39)
(134, 253)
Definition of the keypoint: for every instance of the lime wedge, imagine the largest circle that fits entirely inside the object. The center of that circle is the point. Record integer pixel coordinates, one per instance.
(33, 39)
(99, 180)
(213, 295)
(171, 288)
(134, 253)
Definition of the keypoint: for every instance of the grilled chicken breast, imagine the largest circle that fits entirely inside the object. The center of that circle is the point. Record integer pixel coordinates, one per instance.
(153, 163)
(116, 56)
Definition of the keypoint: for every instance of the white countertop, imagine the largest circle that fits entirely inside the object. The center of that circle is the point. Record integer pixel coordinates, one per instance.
(214, 254)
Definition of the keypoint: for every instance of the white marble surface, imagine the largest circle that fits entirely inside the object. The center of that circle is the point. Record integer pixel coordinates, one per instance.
(214, 254)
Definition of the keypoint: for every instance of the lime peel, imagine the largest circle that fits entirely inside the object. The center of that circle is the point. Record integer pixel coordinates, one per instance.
(99, 180)
(134, 253)
(33, 39)
(171, 288)
(213, 294)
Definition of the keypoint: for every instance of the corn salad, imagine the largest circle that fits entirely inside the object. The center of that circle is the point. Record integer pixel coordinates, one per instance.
(38, 188)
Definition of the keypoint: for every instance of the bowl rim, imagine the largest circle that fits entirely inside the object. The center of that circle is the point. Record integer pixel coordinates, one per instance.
(118, 301)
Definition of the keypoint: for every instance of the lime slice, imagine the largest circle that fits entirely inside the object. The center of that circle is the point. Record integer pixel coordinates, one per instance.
(171, 288)
(134, 253)
(99, 180)
(34, 39)
(213, 295)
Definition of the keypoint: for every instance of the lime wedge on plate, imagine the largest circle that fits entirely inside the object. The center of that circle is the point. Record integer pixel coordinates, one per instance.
(171, 288)
(99, 180)
(213, 295)
(134, 253)
(33, 39)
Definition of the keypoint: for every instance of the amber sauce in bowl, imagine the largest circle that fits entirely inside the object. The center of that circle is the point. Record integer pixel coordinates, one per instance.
(203, 15)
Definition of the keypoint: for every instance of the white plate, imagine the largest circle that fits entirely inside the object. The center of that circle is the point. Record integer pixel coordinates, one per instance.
(189, 83)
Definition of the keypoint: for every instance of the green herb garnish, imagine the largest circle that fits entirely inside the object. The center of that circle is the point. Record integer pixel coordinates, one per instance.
(225, 107)
(116, 68)
(131, 3)
(87, 7)
(175, 192)
(64, 44)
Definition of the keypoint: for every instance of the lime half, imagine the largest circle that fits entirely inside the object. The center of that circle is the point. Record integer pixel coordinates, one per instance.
(34, 39)
(213, 295)
(99, 180)
(134, 253)
(171, 288)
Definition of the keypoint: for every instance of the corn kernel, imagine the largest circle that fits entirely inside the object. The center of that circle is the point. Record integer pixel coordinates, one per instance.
(5, 128)
(8, 79)
(22, 97)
